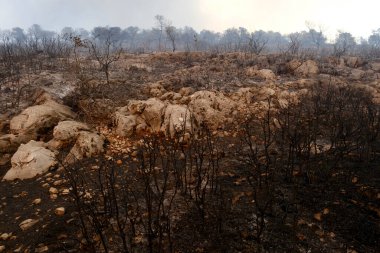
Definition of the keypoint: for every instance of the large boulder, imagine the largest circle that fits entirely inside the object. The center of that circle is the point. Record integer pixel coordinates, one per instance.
(152, 113)
(265, 74)
(293, 65)
(177, 118)
(88, 144)
(30, 160)
(37, 119)
(139, 114)
(125, 124)
(307, 69)
(68, 131)
(353, 62)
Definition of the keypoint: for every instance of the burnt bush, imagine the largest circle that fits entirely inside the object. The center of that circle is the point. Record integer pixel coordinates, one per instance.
(293, 178)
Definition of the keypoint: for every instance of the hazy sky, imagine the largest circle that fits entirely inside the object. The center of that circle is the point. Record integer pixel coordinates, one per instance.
(359, 17)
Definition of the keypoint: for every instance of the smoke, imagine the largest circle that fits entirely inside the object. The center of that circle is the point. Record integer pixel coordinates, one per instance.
(56, 14)
(284, 16)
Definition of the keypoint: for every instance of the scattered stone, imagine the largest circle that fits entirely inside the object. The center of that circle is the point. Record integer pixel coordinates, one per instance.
(5, 236)
(41, 249)
(60, 211)
(53, 190)
(53, 196)
(65, 192)
(18, 249)
(37, 201)
(62, 236)
(28, 223)
(58, 182)
(318, 216)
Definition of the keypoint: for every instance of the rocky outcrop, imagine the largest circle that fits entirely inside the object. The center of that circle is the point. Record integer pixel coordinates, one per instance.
(212, 108)
(36, 120)
(30, 160)
(154, 115)
(36, 158)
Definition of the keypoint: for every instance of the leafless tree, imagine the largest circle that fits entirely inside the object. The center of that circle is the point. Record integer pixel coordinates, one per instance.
(257, 42)
(294, 44)
(160, 22)
(172, 35)
(105, 52)
(344, 42)
(317, 34)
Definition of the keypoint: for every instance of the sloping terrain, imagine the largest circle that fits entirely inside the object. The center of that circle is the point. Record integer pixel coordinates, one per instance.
(192, 152)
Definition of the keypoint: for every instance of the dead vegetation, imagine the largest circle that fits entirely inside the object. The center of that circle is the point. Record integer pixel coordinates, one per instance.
(203, 152)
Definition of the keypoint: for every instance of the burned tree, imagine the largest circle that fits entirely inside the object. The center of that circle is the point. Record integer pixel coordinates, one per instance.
(106, 50)
(172, 35)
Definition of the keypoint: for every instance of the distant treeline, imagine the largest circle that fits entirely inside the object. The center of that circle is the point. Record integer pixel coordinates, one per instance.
(166, 37)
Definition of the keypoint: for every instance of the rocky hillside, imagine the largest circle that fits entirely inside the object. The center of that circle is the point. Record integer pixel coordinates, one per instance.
(193, 153)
